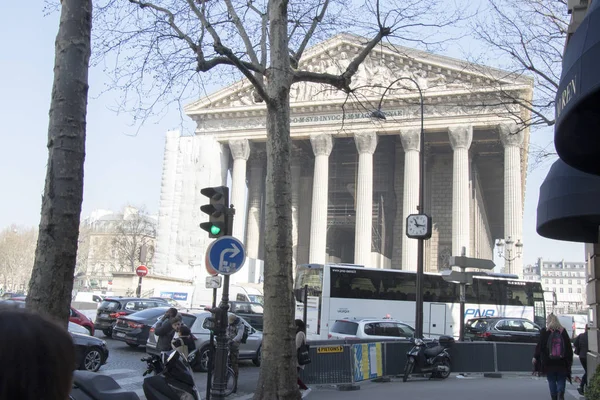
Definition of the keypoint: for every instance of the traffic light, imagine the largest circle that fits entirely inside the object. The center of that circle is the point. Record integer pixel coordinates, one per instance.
(217, 211)
(215, 322)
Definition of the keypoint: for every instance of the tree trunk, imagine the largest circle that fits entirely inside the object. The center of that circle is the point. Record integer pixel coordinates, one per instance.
(278, 374)
(56, 253)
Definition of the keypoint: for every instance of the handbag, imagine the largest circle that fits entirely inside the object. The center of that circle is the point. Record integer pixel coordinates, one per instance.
(303, 354)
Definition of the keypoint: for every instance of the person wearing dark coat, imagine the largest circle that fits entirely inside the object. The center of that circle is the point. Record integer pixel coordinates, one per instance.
(165, 329)
(581, 349)
(557, 371)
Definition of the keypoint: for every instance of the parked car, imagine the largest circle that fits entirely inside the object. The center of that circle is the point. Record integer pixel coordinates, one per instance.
(133, 329)
(502, 329)
(90, 352)
(370, 328)
(170, 302)
(251, 350)
(114, 307)
(87, 297)
(74, 316)
(251, 312)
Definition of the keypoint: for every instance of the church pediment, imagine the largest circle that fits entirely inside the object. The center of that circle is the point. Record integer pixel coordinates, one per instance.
(436, 75)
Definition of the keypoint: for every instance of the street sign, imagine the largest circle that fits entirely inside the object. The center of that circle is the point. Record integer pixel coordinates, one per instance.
(468, 262)
(141, 271)
(227, 255)
(458, 277)
(213, 282)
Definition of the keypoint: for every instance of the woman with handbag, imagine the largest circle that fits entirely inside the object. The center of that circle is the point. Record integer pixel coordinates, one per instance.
(301, 350)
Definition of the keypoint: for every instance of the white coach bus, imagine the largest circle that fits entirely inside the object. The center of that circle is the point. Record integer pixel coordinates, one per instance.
(345, 291)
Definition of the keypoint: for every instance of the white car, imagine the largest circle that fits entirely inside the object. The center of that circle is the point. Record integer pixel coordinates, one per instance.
(370, 328)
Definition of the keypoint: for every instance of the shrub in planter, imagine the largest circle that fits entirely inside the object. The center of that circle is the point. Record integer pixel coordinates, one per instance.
(593, 389)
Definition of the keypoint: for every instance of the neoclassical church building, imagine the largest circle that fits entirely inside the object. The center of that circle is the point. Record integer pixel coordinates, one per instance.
(354, 178)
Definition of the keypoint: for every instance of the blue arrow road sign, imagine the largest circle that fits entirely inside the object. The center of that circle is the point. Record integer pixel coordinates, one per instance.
(227, 255)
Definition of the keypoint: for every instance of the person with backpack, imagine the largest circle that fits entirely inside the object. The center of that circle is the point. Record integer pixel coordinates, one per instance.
(236, 330)
(581, 349)
(554, 356)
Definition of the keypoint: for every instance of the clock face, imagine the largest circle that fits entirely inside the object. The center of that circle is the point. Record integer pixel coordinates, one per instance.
(418, 225)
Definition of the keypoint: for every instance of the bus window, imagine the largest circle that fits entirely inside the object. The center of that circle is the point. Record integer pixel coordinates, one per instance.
(488, 291)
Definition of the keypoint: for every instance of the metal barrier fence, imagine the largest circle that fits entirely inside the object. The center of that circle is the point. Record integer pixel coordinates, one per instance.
(339, 362)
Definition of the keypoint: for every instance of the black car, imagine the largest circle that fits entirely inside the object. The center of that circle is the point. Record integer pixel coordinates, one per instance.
(251, 312)
(114, 307)
(90, 352)
(133, 329)
(502, 329)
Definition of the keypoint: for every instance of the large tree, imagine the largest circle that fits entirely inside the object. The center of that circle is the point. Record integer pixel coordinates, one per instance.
(160, 46)
(55, 257)
(526, 37)
(137, 229)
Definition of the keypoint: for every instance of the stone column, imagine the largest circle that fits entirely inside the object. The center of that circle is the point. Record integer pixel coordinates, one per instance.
(240, 151)
(296, 169)
(322, 146)
(411, 143)
(512, 138)
(255, 188)
(366, 143)
(460, 140)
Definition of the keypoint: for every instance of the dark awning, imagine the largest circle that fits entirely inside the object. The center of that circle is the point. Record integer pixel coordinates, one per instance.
(569, 205)
(577, 131)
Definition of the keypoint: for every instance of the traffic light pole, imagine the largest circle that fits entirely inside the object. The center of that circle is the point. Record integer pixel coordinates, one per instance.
(222, 349)
(220, 383)
(211, 353)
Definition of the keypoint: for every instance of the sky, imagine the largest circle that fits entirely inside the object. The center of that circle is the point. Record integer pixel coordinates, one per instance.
(123, 163)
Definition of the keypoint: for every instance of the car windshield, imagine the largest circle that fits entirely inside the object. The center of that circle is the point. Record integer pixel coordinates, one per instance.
(110, 305)
(257, 298)
(345, 327)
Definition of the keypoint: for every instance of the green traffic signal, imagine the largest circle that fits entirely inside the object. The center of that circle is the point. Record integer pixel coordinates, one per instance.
(215, 230)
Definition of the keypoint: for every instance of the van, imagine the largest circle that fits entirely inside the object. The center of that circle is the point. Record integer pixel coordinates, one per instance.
(88, 297)
(574, 324)
(248, 292)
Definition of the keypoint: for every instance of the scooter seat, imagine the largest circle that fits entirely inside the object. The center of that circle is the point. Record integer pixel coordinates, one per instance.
(433, 351)
(101, 387)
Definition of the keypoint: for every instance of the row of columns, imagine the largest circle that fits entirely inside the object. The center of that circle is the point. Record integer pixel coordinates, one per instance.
(460, 138)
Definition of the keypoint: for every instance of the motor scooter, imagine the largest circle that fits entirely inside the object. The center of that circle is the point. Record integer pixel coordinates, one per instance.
(429, 357)
(173, 378)
(92, 386)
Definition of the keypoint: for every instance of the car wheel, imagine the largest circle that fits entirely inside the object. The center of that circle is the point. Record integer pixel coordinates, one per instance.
(256, 360)
(134, 345)
(92, 360)
(201, 361)
(107, 332)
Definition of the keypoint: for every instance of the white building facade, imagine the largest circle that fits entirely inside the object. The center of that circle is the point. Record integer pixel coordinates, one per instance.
(566, 279)
(354, 180)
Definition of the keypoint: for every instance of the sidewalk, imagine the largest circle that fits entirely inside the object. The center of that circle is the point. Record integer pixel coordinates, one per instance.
(453, 388)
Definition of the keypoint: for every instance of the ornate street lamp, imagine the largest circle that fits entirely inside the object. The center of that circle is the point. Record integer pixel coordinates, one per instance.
(509, 250)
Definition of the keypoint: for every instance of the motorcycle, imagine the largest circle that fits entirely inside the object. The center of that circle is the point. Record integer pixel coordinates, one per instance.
(173, 378)
(429, 357)
(91, 386)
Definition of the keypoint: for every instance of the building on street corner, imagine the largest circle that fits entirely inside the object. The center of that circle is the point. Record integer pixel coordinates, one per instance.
(349, 171)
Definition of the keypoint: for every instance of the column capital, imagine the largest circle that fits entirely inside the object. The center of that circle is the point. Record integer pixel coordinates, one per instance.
(511, 134)
(411, 139)
(321, 144)
(240, 149)
(366, 142)
(460, 136)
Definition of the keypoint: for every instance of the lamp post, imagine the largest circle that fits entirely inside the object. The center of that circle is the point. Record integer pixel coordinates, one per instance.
(380, 115)
(506, 249)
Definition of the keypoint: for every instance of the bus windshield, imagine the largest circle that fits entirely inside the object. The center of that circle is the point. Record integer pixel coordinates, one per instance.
(308, 276)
